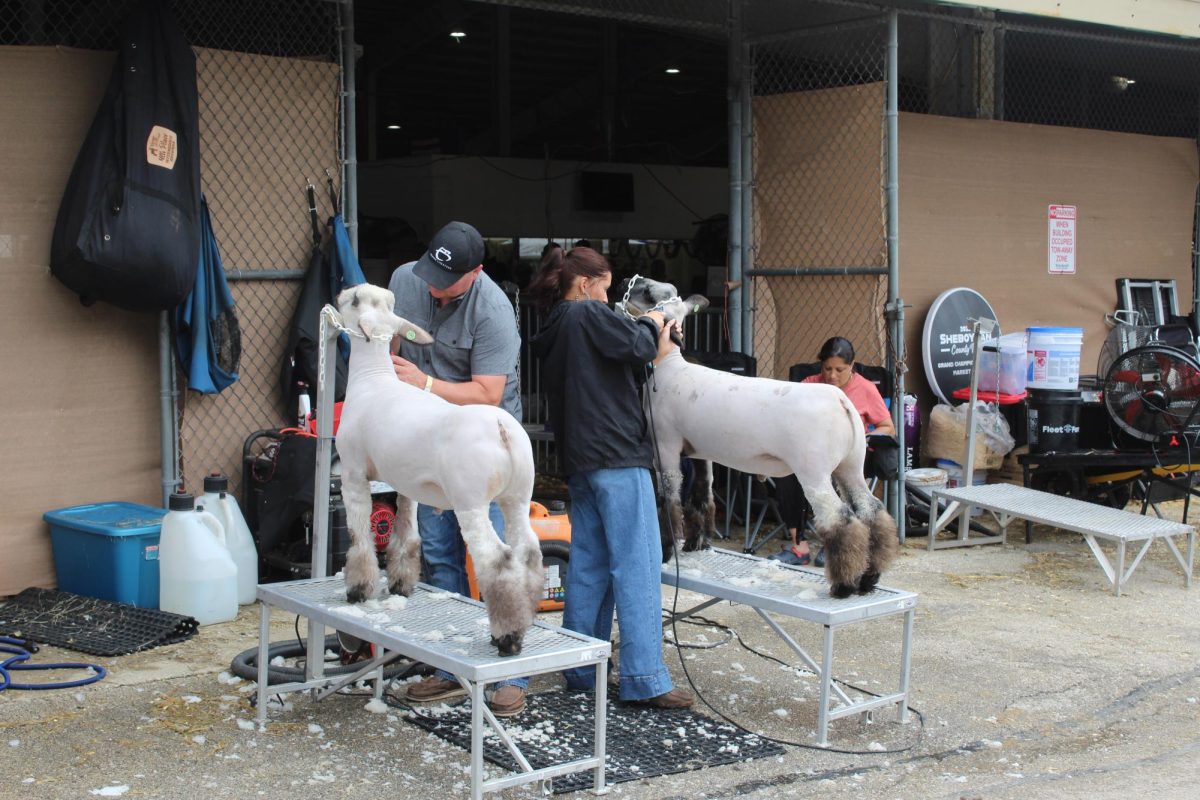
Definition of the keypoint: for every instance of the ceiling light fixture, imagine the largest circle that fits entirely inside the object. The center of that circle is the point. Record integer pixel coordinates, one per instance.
(1121, 83)
(672, 70)
(458, 36)
(393, 127)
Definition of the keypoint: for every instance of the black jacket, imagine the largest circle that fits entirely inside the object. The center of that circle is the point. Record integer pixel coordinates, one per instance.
(593, 361)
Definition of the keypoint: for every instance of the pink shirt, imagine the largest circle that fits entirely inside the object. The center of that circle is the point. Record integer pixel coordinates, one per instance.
(864, 396)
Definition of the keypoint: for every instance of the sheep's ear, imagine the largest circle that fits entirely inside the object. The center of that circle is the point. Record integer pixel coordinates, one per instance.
(696, 303)
(345, 297)
(411, 333)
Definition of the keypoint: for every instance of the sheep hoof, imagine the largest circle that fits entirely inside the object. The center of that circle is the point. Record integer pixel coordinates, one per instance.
(357, 594)
(841, 590)
(868, 582)
(509, 644)
(399, 588)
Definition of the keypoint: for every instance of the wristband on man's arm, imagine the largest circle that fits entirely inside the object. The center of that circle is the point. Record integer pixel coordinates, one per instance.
(429, 383)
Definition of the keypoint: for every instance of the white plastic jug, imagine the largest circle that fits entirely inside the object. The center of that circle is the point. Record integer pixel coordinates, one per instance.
(238, 540)
(197, 576)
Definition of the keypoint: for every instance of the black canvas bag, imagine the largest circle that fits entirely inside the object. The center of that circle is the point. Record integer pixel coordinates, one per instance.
(128, 227)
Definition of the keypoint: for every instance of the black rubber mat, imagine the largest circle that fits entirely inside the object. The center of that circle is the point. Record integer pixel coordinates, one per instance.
(640, 742)
(89, 624)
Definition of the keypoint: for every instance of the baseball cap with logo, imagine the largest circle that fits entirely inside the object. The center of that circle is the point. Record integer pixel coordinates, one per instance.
(454, 251)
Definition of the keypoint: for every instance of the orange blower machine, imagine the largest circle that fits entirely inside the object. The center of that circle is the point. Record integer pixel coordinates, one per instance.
(554, 534)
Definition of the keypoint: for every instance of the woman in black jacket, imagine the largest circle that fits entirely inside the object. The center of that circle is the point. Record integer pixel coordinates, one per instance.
(593, 362)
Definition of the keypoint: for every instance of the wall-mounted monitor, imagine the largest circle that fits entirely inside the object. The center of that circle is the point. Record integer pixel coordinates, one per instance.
(606, 191)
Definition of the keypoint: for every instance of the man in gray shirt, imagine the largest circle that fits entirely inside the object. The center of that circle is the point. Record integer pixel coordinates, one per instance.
(473, 359)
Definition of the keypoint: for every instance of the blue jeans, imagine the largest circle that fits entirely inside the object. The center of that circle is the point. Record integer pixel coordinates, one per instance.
(445, 556)
(616, 562)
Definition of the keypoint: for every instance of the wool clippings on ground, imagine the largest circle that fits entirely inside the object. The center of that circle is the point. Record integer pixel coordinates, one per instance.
(557, 727)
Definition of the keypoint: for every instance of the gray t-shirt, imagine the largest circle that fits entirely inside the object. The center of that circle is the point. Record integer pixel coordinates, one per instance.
(475, 334)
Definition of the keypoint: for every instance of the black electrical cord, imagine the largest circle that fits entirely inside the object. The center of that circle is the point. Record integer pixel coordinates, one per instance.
(651, 384)
(245, 664)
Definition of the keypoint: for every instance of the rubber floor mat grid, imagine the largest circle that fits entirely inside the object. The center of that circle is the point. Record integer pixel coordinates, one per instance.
(89, 624)
(640, 743)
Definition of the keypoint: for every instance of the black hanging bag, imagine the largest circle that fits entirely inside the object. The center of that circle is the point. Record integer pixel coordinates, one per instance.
(329, 272)
(128, 227)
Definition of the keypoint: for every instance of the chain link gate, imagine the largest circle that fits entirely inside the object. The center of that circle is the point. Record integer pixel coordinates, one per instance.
(818, 248)
(270, 121)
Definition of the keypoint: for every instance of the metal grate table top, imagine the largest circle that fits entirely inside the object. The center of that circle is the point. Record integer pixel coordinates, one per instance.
(772, 586)
(439, 628)
(1065, 512)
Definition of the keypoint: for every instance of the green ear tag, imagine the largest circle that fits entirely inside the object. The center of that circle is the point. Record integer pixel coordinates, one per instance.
(410, 335)
(696, 308)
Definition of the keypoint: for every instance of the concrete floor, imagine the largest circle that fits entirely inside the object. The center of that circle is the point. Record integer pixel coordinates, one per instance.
(1032, 679)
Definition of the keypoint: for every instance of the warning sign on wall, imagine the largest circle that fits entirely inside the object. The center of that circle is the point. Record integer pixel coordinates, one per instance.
(1060, 241)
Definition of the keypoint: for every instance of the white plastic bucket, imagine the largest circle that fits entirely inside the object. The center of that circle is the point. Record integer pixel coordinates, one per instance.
(1053, 358)
(954, 478)
(1005, 370)
(926, 478)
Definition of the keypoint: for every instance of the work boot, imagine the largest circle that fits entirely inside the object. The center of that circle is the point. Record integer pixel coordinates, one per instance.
(434, 689)
(676, 698)
(507, 701)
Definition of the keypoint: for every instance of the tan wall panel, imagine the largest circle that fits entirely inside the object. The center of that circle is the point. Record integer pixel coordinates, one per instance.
(80, 391)
(818, 162)
(818, 202)
(973, 206)
(267, 125)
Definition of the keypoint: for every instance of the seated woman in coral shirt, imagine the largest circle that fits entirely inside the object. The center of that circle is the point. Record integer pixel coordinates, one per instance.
(837, 369)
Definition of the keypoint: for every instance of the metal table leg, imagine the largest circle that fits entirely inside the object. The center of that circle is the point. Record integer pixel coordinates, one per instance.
(905, 665)
(826, 681)
(264, 637)
(601, 712)
(477, 701)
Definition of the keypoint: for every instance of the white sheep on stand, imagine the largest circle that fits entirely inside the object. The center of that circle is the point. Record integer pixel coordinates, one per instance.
(770, 428)
(440, 454)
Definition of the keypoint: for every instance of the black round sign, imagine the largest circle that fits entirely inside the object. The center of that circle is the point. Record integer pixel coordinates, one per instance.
(946, 342)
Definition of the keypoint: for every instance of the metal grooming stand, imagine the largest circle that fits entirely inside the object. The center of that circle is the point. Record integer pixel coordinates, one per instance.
(410, 631)
(980, 328)
(736, 577)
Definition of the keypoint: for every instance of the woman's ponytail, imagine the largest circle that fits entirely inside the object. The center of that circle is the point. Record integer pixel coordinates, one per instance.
(546, 287)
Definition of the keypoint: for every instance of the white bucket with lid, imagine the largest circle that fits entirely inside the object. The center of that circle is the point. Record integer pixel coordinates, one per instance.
(1052, 358)
(926, 478)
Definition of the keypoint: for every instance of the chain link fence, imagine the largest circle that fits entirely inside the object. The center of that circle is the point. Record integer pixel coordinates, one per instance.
(268, 77)
(269, 74)
(818, 250)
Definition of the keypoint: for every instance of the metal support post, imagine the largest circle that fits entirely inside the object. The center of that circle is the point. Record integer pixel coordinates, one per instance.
(326, 387)
(895, 308)
(737, 286)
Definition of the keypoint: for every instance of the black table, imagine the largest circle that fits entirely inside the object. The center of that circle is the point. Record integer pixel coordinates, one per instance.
(1109, 475)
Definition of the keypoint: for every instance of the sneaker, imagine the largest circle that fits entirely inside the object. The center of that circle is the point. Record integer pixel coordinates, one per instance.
(507, 701)
(819, 561)
(676, 698)
(434, 689)
(790, 556)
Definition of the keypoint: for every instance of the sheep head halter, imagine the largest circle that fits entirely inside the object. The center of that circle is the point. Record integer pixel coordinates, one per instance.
(623, 305)
(332, 316)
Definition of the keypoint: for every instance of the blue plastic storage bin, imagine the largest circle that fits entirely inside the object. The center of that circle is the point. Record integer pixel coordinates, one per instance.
(108, 550)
